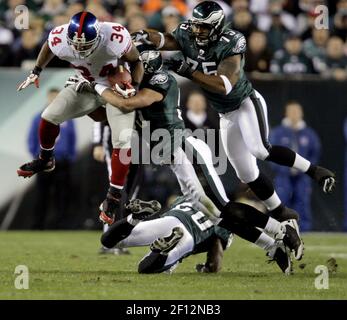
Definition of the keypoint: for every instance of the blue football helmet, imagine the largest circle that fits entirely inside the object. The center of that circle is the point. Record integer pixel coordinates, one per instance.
(83, 34)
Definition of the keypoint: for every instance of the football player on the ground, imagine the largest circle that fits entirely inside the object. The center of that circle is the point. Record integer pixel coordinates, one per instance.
(94, 50)
(184, 230)
(213, 57)
(157, 103)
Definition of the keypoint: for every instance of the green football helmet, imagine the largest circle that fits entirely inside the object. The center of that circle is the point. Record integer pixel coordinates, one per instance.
(207, 22)
(151, 58)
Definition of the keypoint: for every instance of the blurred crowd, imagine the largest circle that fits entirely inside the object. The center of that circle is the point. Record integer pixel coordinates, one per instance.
(281, 34)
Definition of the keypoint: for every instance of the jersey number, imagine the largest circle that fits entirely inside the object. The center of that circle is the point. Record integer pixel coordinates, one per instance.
(116, 35)
(56, 40)
(201, 221)
(208, 68)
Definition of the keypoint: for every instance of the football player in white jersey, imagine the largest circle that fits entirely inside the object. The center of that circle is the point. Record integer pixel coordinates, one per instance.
(94, 49)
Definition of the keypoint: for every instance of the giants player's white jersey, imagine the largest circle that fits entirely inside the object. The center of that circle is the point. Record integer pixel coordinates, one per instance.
(115, 41)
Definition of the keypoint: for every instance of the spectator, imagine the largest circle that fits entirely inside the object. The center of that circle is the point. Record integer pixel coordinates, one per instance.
(28, 48)
(6, 39)
(345, 133)
(276, 17)
(335, 63)
(242, 22)
(165, 19)
(294, 188)
(340, 19)
(54, 188)
(137, 22)
(195, 115)
(277, 32)
(258, 56)
(315, 47)
(291, 60)
(52, 8)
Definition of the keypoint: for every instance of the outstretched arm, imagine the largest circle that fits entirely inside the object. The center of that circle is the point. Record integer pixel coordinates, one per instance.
(228, 74)
(144, 98)
(162, 41)
(44, 57)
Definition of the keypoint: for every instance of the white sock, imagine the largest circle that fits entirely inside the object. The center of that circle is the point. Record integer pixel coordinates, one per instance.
(273, 202)
(273, 227)
(301, 163)
(265, 242)
(105, 227)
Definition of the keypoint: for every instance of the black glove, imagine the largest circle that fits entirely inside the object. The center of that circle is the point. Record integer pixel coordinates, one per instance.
(141, 36)
(180, 66)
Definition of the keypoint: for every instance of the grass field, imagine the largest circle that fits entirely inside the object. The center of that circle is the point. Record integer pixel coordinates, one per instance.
(65, 265)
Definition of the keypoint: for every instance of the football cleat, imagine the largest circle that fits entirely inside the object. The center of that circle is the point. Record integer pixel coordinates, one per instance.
(166, 244)
(292, 239)
(108, 208)
(325, 178)
(143, 209)
(28, 169)
(281, 255)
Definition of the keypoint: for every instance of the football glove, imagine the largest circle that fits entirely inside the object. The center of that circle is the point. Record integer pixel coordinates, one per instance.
(81, 84)
(128, 92)
(180, 66)
(141, 36)
(32, 78)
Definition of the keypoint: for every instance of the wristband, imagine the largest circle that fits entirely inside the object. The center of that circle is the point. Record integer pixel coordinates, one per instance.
(37, 70)
(228, 86)
(162, 40)
(99, 88)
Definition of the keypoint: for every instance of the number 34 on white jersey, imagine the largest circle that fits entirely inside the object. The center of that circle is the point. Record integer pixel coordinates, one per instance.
(115, 41)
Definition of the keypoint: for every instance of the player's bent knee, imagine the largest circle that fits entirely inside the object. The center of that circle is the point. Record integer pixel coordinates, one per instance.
(260, 152)
(106, 240)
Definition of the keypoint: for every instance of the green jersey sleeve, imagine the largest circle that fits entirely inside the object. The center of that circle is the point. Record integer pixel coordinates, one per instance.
(181, 34)
(231, 43)
(159, 82)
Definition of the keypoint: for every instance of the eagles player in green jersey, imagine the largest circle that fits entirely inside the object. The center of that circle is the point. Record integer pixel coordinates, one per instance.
(157, 106)
(184, 230)
(213, 57)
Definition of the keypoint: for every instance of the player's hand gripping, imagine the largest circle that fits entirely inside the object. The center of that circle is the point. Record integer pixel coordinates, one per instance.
(128, 92)
(141, 36)
(32, 78)
(81, 84)
(180, 66)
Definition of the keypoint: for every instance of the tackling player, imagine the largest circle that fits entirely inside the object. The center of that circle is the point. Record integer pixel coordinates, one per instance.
(213, 57)
(157, 104)
(94, 50)
(184, 230)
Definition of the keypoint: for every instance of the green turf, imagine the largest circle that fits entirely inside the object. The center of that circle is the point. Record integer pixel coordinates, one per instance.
(65, 265)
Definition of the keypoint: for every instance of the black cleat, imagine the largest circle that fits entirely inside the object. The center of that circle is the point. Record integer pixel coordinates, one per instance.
(284, 214)
(143, 209)
(292, 239)
(325, 178)
(108, 209)
(281, 255)
(166, 244)
(28, 169)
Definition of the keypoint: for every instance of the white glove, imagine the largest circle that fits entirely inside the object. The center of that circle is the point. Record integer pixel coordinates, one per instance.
(32, 78)
(128, 92)
(82, 85)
